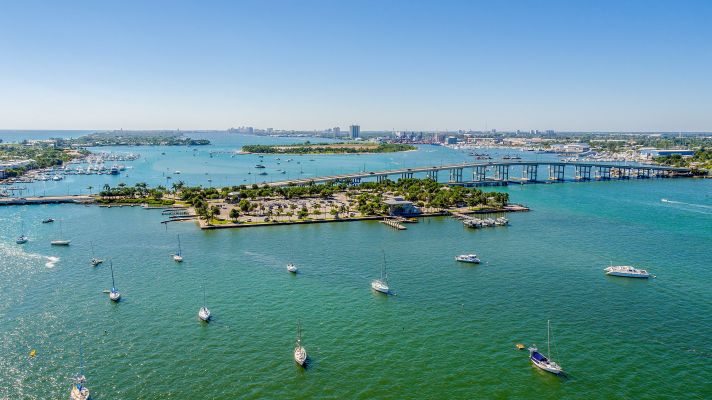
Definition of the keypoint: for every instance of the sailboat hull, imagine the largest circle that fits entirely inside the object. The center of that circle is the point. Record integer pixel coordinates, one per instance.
(379, 287)
(60, 242)
(300, 356)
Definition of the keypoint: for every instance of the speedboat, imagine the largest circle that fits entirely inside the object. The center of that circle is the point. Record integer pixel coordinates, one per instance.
(47, 220)
(626, 271)
(79, 391)
(21, 239)
(204, 313)
(96, 261)
(468, 258)
(292, 268)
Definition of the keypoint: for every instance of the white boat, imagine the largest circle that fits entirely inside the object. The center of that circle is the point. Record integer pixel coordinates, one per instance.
(540, 360)
(22, 238)
(204, 312)
(292, 268)
(178, 257)
(300, 353)
(626, 271)
(468, 258)
(79, 390)
(381, 285)
(114, 294)
(94, 261)
(61, 241)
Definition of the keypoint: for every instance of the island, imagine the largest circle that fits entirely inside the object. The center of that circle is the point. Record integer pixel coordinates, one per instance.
(132, 138)
(327, 148)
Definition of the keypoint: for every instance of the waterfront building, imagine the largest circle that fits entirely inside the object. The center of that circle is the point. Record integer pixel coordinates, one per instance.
(451, 140)
(354, 131)
(648, 153)
(397, 206)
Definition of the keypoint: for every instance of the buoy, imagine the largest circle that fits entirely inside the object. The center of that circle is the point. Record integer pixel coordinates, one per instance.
(520, 346)
(33, 353)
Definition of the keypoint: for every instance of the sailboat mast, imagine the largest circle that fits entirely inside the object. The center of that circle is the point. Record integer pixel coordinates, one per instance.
(179, 245)
(111, 264)
(384, 274)
(548, 345)
(81, 358)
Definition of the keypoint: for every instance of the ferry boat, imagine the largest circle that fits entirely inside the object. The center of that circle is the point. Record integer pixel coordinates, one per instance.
(292, 268)
(540, 360)
(381, 285)
(300, 353)
(626, 271)
(468, 258)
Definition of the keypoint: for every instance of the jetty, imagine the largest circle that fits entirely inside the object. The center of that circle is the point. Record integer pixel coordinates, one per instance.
(75, 199)
(393, 224)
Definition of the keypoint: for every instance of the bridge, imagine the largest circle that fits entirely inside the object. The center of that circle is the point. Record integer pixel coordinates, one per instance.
(504, 172)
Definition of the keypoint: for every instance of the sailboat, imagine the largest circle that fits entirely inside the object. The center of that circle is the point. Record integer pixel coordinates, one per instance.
(94, 261)
(79, 390)
(178, 257)
(204, 312)
(292, 268)
(114, 294)
(540, 360)
(381, 285)
(22, 238)
(300, 353)
(61, 241)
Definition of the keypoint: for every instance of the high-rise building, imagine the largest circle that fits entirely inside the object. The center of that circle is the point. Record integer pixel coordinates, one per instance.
(337, 131)
(354, 131)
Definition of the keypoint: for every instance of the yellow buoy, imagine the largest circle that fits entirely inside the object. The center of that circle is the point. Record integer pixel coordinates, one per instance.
(33, 353)
(520, 346)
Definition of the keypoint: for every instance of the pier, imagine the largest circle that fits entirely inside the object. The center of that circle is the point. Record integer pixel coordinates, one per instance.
(502, 173)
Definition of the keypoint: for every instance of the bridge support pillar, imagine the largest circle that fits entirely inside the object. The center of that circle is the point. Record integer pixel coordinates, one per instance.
(479, 173)
(407, 175)
(355, 181)
(556, 172)
(583, 172)
(381, 178)
(456, 175)
(529, 172)
(501, 173)
(604, 173)
(433, 174)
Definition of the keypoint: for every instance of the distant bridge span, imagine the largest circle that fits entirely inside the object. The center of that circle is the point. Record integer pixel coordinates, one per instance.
(500, 173)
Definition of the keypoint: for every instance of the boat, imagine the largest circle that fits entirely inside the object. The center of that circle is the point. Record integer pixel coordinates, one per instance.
(300, 353)
(47, 220)
(627, 271)
(79, 390)
(178, 257)
(177, 172)
(204, 312)
(468, 258)
(292, 268)
(381, 285)
(540, 360)
(259, 166)
(22, 238)
(94, 261)
(61, 241)
(114, 294)
(114, 170)
(262, 173)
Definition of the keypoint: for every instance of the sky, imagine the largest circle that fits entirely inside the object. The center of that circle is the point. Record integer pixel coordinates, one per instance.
(401, 65)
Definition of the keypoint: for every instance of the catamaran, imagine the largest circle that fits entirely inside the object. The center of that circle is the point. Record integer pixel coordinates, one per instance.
(61, 241)
(79, 390)
(300, 353)
(381, 285)
(114, 294)
(468, 258)
(292, 268)
(178, 257)
(94, 261)
(204, 312)
(626, 271)
(540, 360)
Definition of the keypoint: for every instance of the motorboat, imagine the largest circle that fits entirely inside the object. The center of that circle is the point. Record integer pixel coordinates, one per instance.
(47, 220)
(468, 258)
(292, 268)
(626, 271)
(541, 361)
(259, 166)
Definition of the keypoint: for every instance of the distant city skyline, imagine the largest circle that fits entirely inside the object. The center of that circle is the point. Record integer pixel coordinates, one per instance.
(634, 66)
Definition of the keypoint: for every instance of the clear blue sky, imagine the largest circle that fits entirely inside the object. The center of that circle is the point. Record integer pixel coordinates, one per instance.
(564, 65)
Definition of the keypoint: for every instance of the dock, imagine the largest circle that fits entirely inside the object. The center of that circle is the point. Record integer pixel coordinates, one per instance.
(393, 224)
(73, 199)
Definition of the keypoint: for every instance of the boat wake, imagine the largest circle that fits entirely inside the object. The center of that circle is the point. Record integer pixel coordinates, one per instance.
(701, 208)
(51, 261)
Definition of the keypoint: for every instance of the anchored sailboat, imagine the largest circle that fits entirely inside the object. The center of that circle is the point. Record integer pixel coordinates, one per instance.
(204, 312)
(381, 285)
(178, 257)
(94, 261)
(114, 294)
(300, 353)
(61, 241)
(79, 390)
(540, 360)
(22, 238)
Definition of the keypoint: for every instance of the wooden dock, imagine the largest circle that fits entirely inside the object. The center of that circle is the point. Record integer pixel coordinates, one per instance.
(393, 224)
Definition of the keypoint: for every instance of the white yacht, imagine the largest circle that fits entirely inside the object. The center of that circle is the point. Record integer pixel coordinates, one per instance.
(292, 268)
(300, 353)
(381, 285)
(114, 294)
(626, 271)
(468, 258)
(178, 257)
(540, 360)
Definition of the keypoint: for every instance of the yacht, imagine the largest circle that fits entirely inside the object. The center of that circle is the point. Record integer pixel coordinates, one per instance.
(61, 241)
(292, 268)
(468, 258)
(381, 285)
(540, 360)
(300, 353)
(114, 294)
(204, 312)
(626, 271)
(178, 257)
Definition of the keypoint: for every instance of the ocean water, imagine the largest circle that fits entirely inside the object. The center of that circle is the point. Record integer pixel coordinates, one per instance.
(448, 331)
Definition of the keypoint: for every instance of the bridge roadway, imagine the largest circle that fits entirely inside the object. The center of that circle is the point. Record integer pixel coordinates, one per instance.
(530, 168)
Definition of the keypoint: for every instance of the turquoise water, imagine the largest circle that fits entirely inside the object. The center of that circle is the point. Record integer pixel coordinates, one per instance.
(448, 332)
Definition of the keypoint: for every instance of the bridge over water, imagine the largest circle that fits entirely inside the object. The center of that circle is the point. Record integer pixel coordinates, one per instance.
(505, 172)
